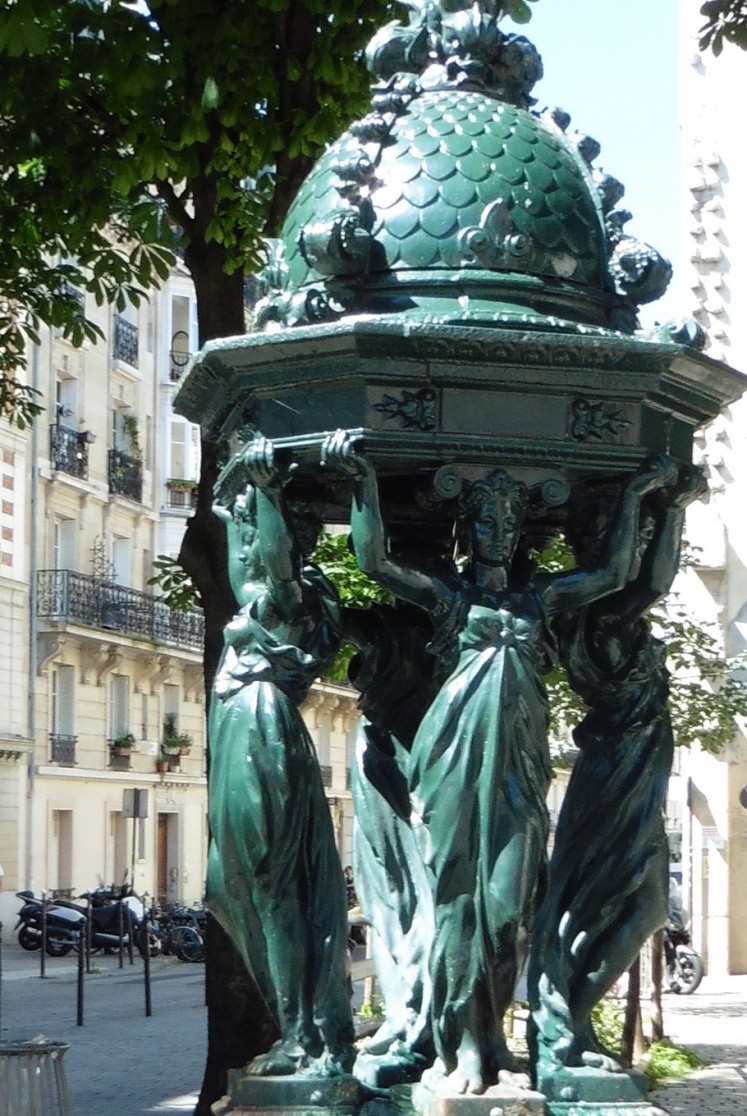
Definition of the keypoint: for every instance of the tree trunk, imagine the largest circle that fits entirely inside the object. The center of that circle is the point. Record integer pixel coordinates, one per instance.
(633, 1045)
(657, 976)
(240, 1024)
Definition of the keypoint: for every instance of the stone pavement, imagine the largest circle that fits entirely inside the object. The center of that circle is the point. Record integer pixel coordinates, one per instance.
(713, 1023)
(125, 1064)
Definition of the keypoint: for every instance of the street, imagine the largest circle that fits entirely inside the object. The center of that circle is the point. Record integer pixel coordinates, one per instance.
(141, 1066)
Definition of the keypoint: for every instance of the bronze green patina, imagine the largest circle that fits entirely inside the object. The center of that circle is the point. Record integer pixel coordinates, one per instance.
(454, 292)
(274, 875)
(609, 873)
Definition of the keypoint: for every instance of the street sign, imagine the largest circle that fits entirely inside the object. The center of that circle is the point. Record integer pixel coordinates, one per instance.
(135, 803)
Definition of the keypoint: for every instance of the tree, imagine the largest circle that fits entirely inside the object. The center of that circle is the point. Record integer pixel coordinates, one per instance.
(128, 131)
(726, 21)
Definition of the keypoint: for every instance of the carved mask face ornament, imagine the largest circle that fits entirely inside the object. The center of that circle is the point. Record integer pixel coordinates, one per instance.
(495, 533)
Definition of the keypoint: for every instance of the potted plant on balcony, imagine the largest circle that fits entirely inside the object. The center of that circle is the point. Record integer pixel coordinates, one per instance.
(123, 744)
(173, 742)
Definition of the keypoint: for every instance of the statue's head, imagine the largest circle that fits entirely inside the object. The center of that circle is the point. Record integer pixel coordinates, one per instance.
(490, 517)
(587, 529)
(306, 524)
(244, 515)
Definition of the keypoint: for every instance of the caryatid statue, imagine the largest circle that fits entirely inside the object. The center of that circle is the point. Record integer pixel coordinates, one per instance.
(275, 880)
(479, 765)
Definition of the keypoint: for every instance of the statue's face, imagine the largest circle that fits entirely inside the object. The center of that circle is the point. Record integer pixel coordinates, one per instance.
(495, 533)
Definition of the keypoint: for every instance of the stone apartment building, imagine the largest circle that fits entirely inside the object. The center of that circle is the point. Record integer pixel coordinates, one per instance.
(93, 668)
(712, 282)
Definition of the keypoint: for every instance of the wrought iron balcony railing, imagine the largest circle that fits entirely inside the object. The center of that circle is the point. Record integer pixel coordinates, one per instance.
(68, 451)
(125, 344)
(181, 497)
(62, 749)
(82, 599)
(125, 475)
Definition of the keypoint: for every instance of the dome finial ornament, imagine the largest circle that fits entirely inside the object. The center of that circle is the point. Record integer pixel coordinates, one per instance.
(458, 43)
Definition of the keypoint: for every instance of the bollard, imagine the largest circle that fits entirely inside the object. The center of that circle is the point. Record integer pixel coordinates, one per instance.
(130, 935)
(81, 968)
(146, 960)
(43, 957)
(120, 920)
(89, 933)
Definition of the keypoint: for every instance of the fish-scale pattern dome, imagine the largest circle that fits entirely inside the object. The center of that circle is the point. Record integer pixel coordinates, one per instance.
(461, 181)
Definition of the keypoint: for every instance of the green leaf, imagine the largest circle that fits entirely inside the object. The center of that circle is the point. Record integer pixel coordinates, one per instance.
(210, 96)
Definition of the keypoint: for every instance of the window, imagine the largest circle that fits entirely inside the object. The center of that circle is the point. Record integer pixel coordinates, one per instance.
(178, 454)
(63, 701)
(119, 706)
(63, 545)
(66, 401)
(122, 560)
(171, 702)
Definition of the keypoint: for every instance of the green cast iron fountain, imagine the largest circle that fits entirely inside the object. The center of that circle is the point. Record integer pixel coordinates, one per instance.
(447, 355)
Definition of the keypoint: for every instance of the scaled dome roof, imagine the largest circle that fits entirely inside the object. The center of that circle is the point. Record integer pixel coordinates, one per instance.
(453, 200)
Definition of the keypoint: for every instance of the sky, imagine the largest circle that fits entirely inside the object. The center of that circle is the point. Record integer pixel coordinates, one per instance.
(614, 68)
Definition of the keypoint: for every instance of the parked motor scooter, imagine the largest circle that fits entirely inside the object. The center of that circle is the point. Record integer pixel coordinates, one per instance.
(684, 966)
(64, 924)
(115, 913)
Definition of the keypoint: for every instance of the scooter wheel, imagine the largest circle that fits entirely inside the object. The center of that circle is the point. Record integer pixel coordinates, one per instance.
(153, 946)
(27, 939)
(58, 949)
(686, 972)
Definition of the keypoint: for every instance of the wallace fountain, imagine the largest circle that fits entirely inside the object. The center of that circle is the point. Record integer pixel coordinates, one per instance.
(447, 359)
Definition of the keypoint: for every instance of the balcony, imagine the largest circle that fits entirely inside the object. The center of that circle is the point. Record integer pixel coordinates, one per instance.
(65, 595)
(181, 495)
(125, 343)
(62, 749)
(125, 475)
(68, 451)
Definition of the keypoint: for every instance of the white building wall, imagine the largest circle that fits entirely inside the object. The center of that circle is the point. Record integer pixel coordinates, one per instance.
(713, 290)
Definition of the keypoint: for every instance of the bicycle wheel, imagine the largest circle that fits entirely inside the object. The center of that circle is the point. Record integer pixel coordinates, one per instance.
(187, 944)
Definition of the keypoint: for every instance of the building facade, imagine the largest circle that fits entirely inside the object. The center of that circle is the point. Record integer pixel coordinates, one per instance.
(713, 289)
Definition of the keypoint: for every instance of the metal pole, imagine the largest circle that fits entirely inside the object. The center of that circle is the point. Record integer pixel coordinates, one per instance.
(147, 914)
(130, 934)
(1, 978)
(43, 959)
(120, 919)
(81, 966)
(89, 933)
(134, 838)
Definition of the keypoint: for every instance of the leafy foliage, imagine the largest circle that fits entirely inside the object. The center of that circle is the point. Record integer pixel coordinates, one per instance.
(666, 1060)
(707, 689)
(726, 22)
(130, 129)
(608, 1017)
(175, 586)
(336, 560)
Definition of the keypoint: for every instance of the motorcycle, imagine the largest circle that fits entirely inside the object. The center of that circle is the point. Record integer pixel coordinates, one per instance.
(684, 966)
(64, 925)
(114, 915)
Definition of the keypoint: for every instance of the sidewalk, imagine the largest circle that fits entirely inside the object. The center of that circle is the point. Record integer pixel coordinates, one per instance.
(139, 1066)
(119, 1060)
(713, 1023)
